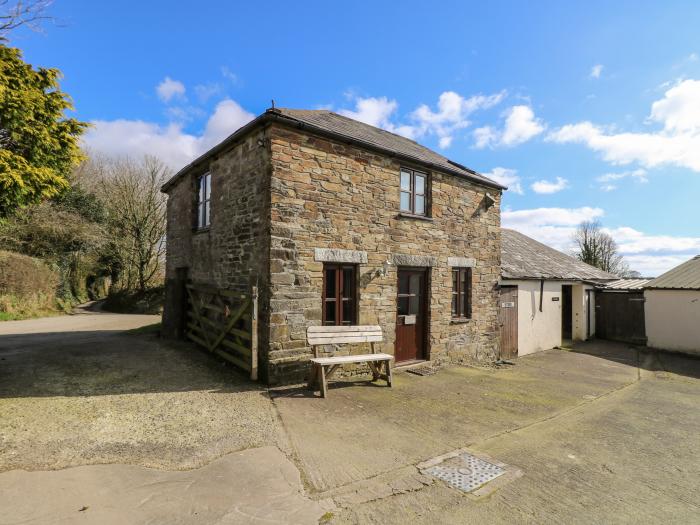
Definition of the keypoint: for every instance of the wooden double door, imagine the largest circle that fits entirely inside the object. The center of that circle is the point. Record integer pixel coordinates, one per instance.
(411, 314)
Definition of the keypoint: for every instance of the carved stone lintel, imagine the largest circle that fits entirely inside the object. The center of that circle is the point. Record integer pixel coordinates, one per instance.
(461, 262)
(400, 259)
(340, 256)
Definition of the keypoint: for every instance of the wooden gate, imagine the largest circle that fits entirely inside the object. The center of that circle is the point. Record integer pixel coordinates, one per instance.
(620, 317)
(508, 319)
(226, 323)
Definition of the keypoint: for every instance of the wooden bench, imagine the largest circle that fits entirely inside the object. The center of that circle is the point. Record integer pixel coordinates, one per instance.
(324, 367)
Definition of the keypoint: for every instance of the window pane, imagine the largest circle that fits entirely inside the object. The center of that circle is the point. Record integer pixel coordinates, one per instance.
(330, 312)
(330, 284)
(207, 213)
(403, 306)
(403, 283)
(200, 215)
(207, 179)
(200, 184)
(405, 201)
(420, 185)
(420, 205)
(348, 313)
(464, 304)
(405, 181)
(348, 282)
(454, 305)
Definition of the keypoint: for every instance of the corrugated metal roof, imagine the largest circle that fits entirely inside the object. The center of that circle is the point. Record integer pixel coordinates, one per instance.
(525, 258)
(683, 277)
(627, 284)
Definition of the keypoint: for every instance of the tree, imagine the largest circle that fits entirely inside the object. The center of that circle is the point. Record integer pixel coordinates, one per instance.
(28, 13)
(136, 219)
(38, 143)
(599, 249)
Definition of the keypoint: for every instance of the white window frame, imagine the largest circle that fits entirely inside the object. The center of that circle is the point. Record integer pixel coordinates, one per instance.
(204, 201)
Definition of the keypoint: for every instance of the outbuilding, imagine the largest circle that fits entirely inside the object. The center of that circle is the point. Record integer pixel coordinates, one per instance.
(547, 297)
(672, 309)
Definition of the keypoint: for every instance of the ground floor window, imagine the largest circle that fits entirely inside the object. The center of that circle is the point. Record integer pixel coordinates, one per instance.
(461, 293)
(339, 294)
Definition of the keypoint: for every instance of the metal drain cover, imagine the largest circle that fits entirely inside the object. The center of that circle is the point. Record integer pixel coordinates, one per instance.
(465, 472)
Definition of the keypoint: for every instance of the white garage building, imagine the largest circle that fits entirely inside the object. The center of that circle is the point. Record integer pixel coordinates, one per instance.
(672, 308)
(555, 296)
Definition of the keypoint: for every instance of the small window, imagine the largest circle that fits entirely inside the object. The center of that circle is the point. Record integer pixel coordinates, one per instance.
(339, 294)
(462, 293)
(413, 191)
(204, 201)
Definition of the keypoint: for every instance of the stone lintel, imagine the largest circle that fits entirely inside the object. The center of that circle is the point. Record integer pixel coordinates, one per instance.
(400, 259)
(340, 256)
(461, 262)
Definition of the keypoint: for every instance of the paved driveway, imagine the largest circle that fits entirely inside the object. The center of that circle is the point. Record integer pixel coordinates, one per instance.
(135, 430)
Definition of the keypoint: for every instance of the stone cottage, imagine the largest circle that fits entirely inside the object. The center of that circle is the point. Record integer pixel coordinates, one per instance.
(339, 222)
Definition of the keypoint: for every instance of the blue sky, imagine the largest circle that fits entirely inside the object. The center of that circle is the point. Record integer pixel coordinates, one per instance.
(586, 110)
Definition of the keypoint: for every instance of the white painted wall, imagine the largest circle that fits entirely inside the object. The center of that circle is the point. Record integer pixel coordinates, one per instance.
(538, 330)
(672, 319)
(542, 330)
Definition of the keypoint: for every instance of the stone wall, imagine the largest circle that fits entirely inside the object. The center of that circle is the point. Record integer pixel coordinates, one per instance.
(330, 195)
(233, 253)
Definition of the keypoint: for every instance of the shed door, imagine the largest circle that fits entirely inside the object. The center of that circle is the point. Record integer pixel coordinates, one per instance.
(509, 321)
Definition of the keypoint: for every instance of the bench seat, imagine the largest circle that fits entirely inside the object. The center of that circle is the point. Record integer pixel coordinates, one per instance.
(325, 367)
(342, 359)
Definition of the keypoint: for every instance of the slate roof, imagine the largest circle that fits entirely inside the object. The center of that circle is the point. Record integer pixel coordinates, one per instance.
(345, 126)
(525, 258)
(339, 127)
(683, 277)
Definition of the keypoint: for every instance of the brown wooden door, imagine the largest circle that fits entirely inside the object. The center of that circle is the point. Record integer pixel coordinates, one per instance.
(566, 311)
(411, 315)
(508, 313)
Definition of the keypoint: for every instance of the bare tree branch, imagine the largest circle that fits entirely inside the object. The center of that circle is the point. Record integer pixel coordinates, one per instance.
(18, 13)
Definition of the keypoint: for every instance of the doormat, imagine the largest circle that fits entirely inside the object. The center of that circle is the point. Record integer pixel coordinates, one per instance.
(423, 370)
(465, 472)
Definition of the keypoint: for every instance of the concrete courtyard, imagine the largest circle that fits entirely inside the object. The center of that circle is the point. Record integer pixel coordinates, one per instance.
(99, 424)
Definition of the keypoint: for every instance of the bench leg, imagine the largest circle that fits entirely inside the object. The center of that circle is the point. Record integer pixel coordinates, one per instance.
(388, 372)
(322, 378)
(375, 370)
(313, 379)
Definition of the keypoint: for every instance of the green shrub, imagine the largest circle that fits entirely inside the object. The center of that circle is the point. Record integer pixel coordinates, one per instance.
(27, 286)
(135, 302)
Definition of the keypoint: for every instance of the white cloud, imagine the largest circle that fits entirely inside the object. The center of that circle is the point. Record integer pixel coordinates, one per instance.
(170, 89)
(596, 71)
(506, 176)
(609, 180)
(169, 142)
(451, 114)
(373, 111)
(547, 187)
(520, 126)
(205, 91)
(229, 75)
(677, 143)
(648, 254)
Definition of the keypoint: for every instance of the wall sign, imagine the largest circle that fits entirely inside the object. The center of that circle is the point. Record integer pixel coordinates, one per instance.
(509, 304)
(555, 298)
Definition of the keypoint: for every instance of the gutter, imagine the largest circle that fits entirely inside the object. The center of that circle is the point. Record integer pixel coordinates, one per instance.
(274, 115)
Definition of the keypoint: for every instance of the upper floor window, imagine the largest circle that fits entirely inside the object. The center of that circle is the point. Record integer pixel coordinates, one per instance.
(204, 201)
(413, 190)
(461, 293)
(339, 294)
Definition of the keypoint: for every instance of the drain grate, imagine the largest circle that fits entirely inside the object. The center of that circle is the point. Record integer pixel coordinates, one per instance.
(465, 472)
